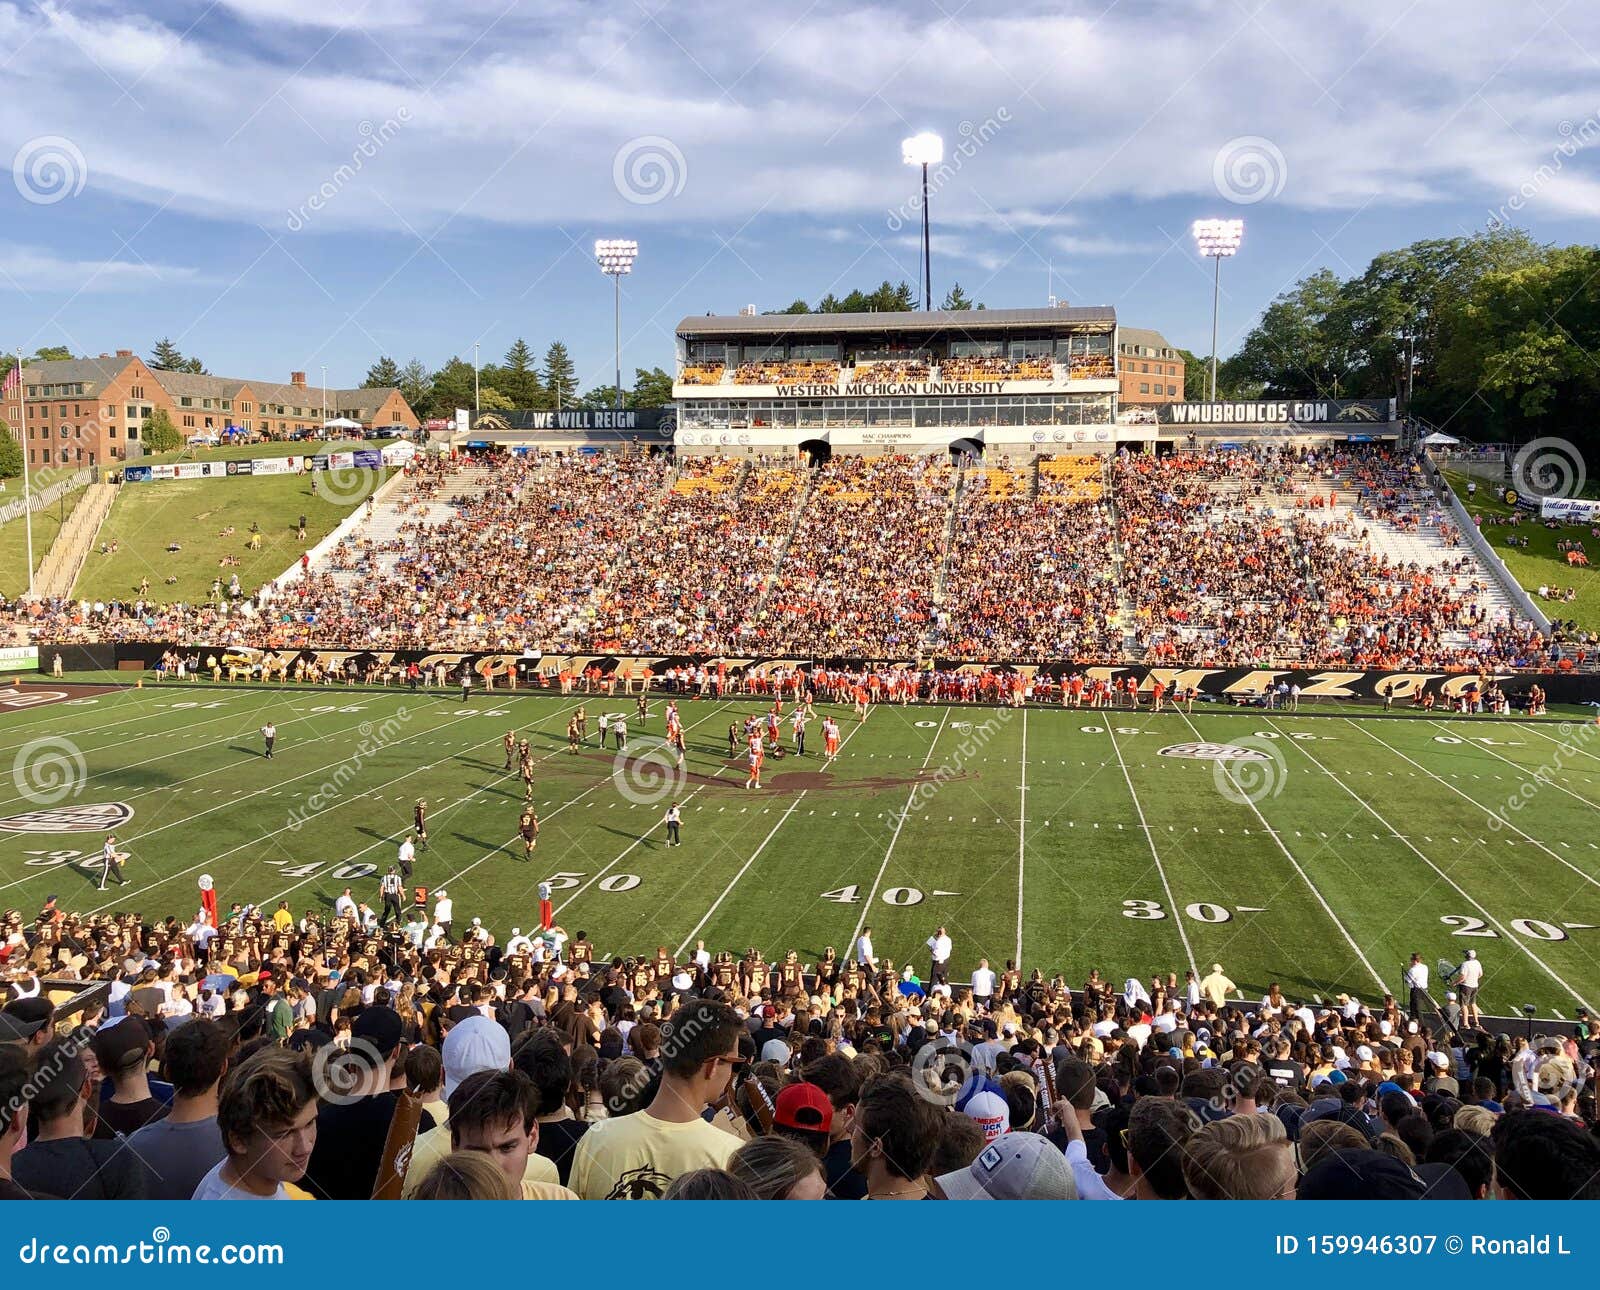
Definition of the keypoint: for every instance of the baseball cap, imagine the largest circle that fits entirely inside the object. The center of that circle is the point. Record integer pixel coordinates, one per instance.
(804, 1106)
(115, 1045)
(1441, 1060)
(476, 1044)
(380, 1027)
(769, 1012)
(775, 1050)
(1018, 1166)
(26, 1017)
(991, 1112)
(14, 1030)
(1360, 1175)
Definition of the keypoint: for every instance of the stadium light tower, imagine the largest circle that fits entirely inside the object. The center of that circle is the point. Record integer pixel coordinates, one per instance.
(1217, 238)
(615, 256)
(925, 149)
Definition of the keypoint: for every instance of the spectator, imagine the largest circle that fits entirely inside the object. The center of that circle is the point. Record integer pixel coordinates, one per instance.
(895, 1136)
(464, 1175)
(267, 1115)
(182, 1146)
(779, 1168)
(1540, 1156)
(636, 1157)
(496, 1112)
(1241, 1157)
(62, 1160)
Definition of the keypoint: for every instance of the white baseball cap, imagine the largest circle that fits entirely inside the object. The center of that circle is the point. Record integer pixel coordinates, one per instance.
(473, 1045)
(1017, 1166)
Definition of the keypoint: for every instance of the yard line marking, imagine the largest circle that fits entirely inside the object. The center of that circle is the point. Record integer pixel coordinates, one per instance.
(1533, 773)
(1412, 847)
(1149, 837)
(499, 850)
(181, 750)
(1289, 856)
(1492, 814)
(614, 863)
(253, 842)
(895, 837)
(744, 867)
(1561, 743)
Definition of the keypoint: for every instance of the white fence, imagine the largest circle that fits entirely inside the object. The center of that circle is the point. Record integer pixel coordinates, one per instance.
(38, 499)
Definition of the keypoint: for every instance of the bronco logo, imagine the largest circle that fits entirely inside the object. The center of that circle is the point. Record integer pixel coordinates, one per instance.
(99, 817)
(1215, 752)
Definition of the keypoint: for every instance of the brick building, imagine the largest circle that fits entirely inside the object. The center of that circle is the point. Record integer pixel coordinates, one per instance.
(87, 411)
(1151, 370)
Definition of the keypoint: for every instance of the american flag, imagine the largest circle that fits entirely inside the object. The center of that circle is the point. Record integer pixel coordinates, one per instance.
(13, 379)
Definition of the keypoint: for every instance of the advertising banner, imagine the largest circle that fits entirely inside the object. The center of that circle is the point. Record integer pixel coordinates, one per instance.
(1574, 510)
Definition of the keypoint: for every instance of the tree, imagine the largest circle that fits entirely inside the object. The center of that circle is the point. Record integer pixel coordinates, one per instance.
(518, 379)
(559, 376)
(452, 387)
(600, 397)
(158, 433)
(491, 400)
(194, 367)
(416, 387)
(651, 389)
(957, 298)
(52, 354)
(382, 375)
(166, 356)
(10, 454)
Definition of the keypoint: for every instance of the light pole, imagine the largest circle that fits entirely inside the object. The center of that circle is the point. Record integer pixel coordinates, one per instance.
(474, 378)
(1217, 239)
(615, 256)
(925, 149)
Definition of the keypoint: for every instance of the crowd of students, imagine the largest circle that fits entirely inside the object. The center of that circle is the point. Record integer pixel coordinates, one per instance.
(279, 1060)
(1211, 559)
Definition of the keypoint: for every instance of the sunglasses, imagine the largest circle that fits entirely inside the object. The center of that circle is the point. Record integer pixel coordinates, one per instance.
(735, 1062)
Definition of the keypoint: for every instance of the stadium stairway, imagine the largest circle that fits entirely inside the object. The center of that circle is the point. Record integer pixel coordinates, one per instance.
(65, 560)
(802, 500)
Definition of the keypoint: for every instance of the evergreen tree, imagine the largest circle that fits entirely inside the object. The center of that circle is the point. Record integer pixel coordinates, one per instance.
(957, 298)
(416, 387)
(560, 377)
(382, 375)
(651, 389)
(166, 356)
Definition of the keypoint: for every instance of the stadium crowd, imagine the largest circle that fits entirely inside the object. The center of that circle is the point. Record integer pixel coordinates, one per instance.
(275, 1058)
(1208, 559)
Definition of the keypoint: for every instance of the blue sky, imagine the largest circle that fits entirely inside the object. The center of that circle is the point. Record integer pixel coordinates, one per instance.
(292, 184)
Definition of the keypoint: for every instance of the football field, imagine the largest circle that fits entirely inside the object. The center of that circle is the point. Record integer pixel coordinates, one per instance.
(1316, 850)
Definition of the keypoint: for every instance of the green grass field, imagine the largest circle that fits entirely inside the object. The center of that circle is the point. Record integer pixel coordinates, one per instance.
(1539, 562)
(1065, 839)
(194, 512)
(14, 542)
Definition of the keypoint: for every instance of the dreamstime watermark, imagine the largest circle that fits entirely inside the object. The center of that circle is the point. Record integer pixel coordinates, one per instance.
(646, 771)
(1544, 774)
(374, 138)
(1549, 467)
(1249, 169)
(973, 138)
(649, 169)
(50, 1069)
(48, 770)
(1254, 776)
(1574, 139)
(374, 738)
(49, 169)
(342, 1074)
(974, 739)
(344, 485)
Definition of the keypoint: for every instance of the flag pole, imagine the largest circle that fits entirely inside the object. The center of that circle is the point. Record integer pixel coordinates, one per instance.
(22, 442)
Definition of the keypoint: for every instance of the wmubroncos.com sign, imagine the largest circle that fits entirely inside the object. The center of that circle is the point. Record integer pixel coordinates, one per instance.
(1352, 412)
(1226, 683)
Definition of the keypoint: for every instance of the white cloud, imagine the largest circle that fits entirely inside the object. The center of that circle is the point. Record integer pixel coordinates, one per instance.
(35, 269)
(515, 116)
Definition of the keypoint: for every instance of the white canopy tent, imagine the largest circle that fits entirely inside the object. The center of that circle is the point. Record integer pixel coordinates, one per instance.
(1439, 439)
(341, 423)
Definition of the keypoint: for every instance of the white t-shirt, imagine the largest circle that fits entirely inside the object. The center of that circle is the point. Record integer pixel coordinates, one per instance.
(212, 1187)
(864, 950)
(983, 983)
(1471, 973)
(444, 910)
(1417, 976)
(408, 852)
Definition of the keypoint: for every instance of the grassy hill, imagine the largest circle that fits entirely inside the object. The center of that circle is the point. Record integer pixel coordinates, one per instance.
(195, 513)
(1539, 563)
(14, 540)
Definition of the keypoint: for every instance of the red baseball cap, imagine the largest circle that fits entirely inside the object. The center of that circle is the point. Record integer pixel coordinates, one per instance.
(804, 1106)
